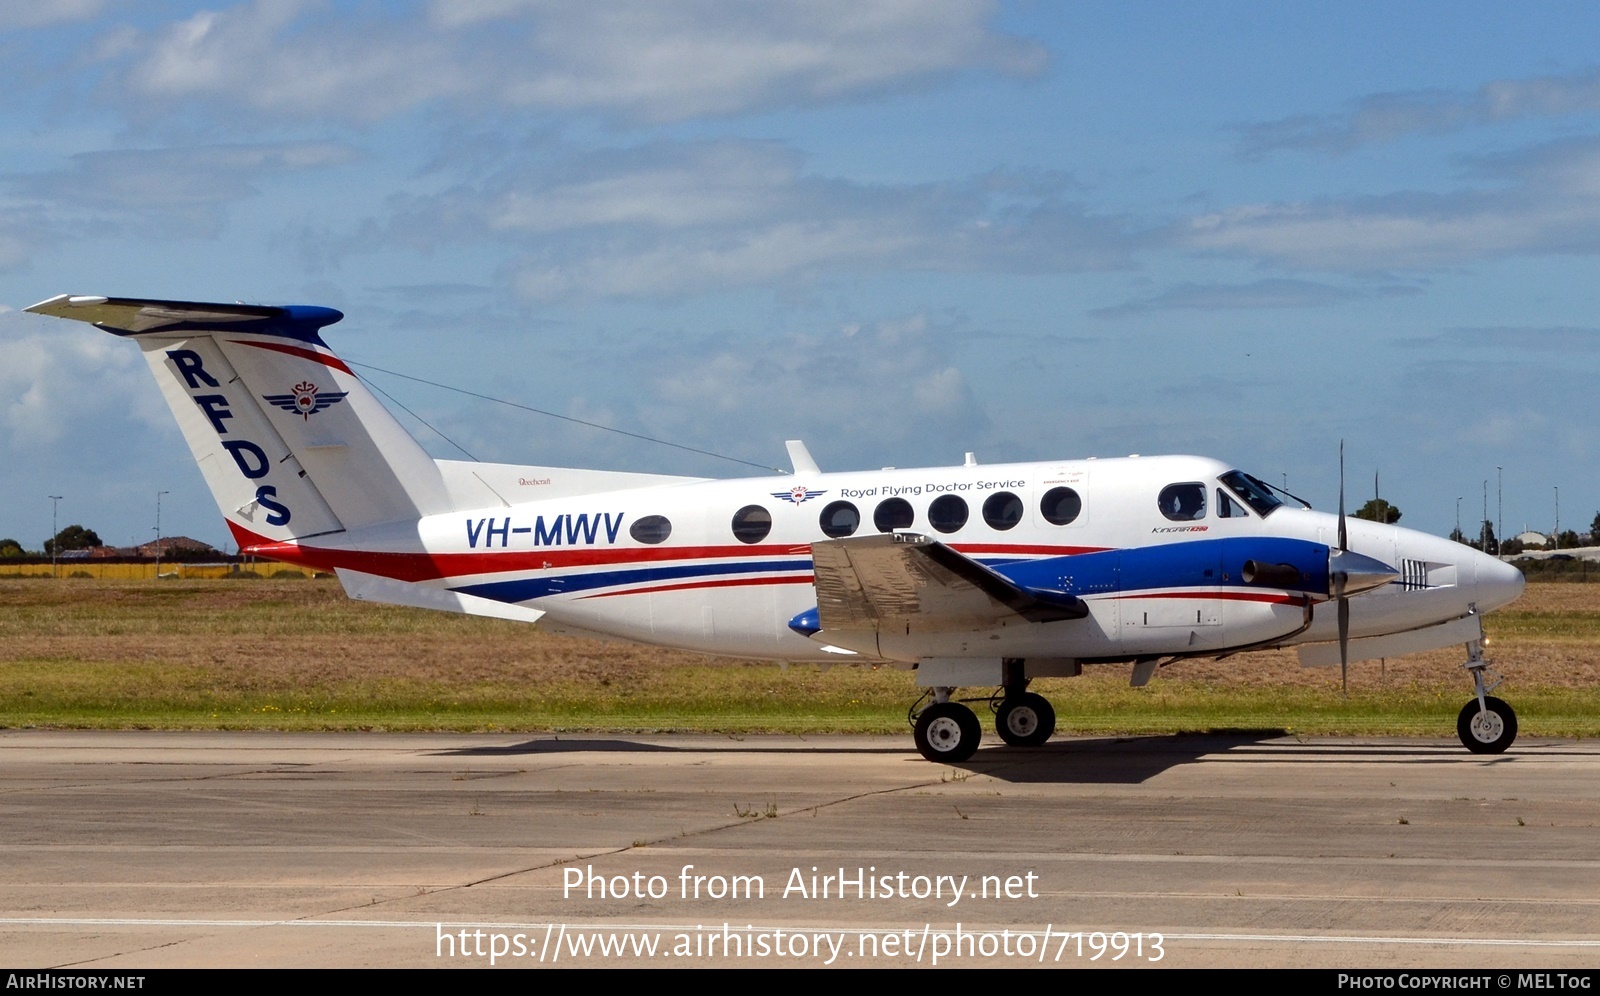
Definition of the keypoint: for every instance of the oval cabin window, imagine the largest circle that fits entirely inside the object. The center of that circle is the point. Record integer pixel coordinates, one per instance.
(751, 524)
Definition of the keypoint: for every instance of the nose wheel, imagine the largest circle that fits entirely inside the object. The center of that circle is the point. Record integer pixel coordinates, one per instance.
(1488, 729)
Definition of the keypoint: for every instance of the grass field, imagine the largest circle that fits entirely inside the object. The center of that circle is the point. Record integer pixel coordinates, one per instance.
(286, 654)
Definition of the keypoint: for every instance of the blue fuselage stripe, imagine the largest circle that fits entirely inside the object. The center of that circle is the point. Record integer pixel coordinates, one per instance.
(1216, 563)
(523, 589)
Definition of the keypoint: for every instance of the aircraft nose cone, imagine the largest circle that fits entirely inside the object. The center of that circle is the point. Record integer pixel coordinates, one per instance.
(1499, 583)
(1349, 573)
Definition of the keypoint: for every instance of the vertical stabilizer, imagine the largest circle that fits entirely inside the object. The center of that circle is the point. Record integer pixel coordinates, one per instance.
(291, 442)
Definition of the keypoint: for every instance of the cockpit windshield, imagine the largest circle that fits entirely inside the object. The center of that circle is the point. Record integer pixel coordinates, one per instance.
(1251, 491)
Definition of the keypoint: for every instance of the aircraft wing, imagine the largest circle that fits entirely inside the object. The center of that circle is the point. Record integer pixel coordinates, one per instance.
(865, 582)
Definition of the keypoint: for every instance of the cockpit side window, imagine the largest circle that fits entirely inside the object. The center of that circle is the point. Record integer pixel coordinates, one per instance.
(1251, 491)
(1227, 508)
(1183, 502)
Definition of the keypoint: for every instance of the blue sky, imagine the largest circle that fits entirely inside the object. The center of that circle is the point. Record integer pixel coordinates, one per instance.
(898, 230)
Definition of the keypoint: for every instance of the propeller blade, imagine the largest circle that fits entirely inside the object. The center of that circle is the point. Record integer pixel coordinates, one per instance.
(1344, 536)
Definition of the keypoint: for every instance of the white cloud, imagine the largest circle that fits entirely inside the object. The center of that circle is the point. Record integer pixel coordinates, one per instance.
(1516, 341)
(172, 190)
(864, 394)
(1548, 202)
(660, 186)
(1268, 293)
(277, 56)
(656, 61)
(1384, 117)
(59, 383)
(14, 251)
(670, 219)
(38, 13)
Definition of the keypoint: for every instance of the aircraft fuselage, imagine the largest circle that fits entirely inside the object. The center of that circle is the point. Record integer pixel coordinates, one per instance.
(735, 565)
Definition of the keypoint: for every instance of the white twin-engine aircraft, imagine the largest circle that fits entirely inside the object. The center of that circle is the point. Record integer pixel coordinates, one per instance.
(984, 576)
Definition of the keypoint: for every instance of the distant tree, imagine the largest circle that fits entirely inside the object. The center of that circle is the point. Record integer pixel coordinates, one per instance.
(1594, 527)
(1456, 535)
(10, 549)
(1511, 547)
(1567, 540)
(1486, 541)
(72, 538)
(1378, 510)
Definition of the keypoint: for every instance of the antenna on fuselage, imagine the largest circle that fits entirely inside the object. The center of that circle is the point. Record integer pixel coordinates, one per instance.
(800, 458)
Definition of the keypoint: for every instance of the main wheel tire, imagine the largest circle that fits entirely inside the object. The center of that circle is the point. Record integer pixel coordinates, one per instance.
(1025, 721)
(1489, 731)
(948, 732)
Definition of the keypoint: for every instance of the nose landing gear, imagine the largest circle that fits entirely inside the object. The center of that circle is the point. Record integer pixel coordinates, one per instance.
(1487, 725)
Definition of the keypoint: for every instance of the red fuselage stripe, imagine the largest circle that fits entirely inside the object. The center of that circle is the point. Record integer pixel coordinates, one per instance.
(431, 566)
(1230, 596)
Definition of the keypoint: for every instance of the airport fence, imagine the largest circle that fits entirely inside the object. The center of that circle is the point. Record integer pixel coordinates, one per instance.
(170, 570)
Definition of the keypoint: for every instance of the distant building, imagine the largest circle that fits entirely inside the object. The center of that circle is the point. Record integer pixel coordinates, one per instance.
(175, 546)
(170, 548)
(1533, 539)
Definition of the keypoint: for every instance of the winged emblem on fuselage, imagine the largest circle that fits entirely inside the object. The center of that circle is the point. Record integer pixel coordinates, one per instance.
(797, 494)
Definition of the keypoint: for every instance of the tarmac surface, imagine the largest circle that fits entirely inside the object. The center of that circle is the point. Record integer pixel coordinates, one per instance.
(138, 849)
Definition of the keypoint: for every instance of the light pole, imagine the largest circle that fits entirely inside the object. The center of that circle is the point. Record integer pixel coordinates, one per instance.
(158, 532)
(54, 532)
(1484, 533)
(1499, 509)
(1556, 540)
(1459, 537)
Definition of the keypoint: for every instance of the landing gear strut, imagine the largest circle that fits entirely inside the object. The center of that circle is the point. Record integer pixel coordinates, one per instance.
(1487, 725)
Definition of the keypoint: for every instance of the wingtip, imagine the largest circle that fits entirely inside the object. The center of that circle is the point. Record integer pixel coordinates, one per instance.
(55, 305)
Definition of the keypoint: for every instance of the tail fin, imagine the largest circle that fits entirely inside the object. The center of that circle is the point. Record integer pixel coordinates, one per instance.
(290, 441)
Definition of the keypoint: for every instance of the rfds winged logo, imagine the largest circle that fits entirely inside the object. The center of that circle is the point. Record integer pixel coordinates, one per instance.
(306, 400)
(796, 494)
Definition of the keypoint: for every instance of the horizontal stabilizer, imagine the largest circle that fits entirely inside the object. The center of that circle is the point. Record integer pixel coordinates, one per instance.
(373, 588)
(866, 581)
(137, 316)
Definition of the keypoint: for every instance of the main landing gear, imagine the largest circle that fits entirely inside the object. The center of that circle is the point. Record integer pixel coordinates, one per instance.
(949, 731)
(1487, 725)
(1025, 719)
